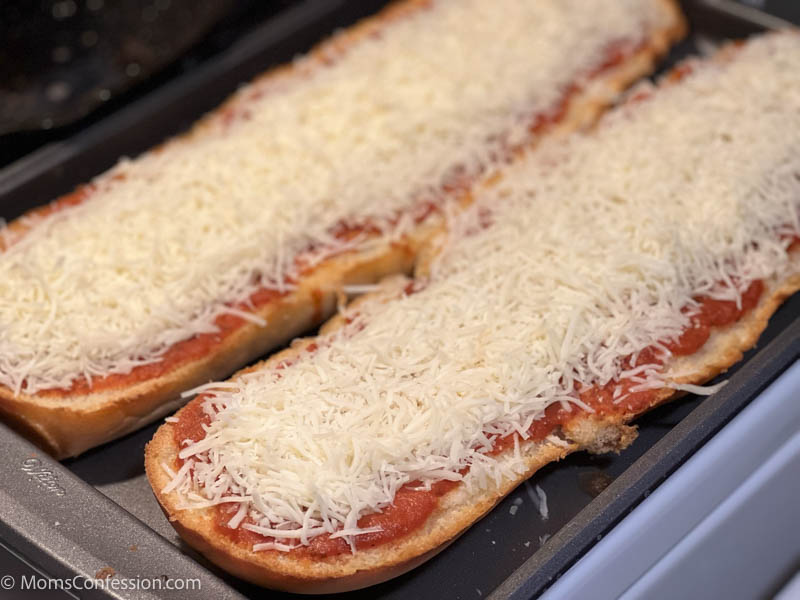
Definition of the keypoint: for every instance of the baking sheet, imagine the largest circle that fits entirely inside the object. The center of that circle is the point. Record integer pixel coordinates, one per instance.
(107, 508)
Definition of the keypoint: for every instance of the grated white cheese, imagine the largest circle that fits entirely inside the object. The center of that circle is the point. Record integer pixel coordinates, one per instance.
(539, 499)
(543, 510)
(596, 246)
(173, 239)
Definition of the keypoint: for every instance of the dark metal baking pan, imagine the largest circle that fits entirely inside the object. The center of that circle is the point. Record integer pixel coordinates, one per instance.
(97, 512)
(60, 61)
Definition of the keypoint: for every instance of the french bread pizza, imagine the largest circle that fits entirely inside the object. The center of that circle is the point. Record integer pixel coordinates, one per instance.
(184, 264)
(589, 280)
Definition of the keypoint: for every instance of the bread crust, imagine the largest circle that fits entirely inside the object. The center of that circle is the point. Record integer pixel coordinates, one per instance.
(67, 425)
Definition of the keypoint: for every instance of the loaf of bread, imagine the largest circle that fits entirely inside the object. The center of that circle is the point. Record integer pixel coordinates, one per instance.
(182, 265)
(590, 280)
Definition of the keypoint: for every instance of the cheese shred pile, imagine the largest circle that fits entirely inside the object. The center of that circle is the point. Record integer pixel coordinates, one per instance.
(170, 241)
(584, 253)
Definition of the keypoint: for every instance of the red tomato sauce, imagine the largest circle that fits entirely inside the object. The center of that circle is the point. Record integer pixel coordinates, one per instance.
(409, 511)
(190, 424)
